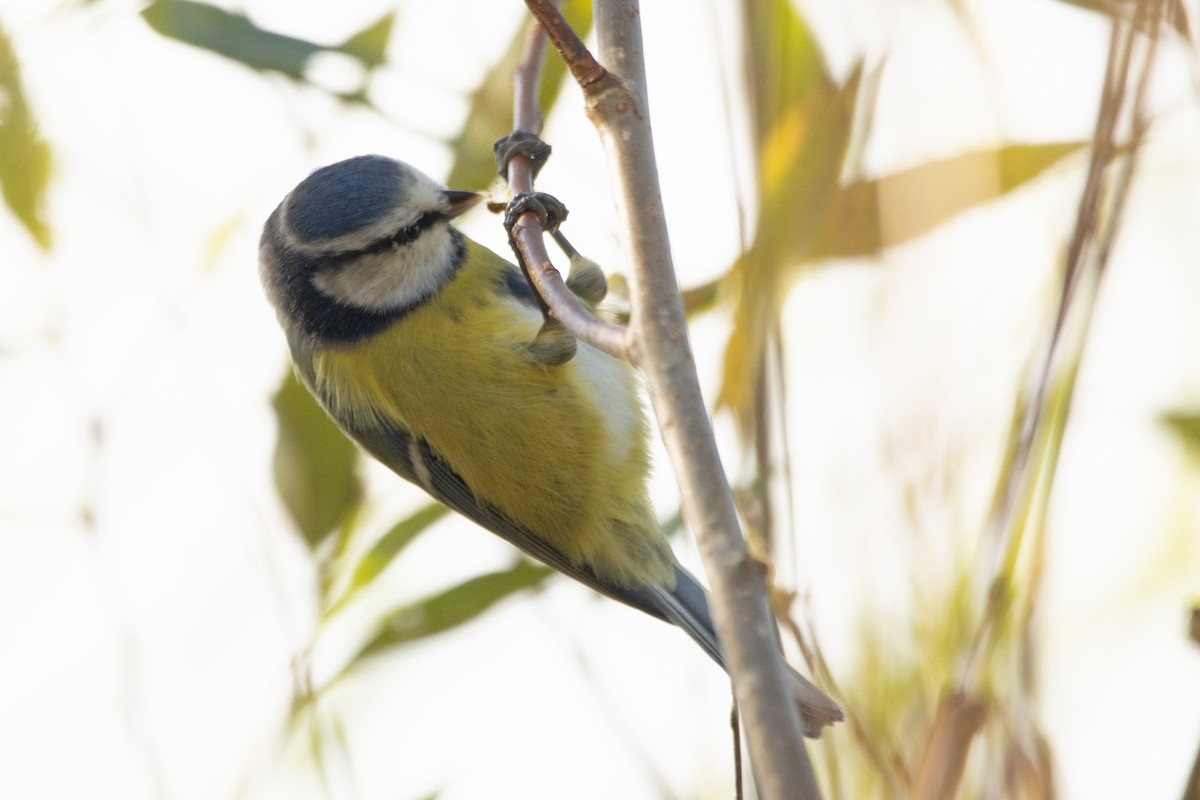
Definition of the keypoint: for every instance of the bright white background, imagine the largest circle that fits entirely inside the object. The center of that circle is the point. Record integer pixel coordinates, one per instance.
(152, 597)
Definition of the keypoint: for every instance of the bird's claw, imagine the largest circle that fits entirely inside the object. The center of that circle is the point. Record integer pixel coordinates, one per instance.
(520, 143)
(549, 209)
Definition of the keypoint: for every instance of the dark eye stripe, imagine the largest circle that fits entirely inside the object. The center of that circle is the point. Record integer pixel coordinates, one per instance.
(406, 235)
(409, 233)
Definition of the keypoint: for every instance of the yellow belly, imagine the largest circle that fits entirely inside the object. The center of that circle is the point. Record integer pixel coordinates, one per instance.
(559, 450)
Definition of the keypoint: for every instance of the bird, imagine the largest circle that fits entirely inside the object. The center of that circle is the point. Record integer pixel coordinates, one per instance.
(434, 355)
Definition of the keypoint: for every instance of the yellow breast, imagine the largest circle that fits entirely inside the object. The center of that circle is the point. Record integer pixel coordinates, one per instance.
(560, 450)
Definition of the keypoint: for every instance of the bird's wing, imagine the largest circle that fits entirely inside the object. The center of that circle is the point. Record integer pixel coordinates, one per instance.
(414, 460)
(684, 605)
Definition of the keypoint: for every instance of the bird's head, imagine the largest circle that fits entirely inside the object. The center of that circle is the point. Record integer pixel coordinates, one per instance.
(366, 235)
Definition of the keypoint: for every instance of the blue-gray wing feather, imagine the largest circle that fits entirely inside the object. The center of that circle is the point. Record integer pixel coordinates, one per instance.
(414, 460)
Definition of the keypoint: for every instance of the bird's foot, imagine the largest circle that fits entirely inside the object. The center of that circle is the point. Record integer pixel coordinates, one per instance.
(520, 143)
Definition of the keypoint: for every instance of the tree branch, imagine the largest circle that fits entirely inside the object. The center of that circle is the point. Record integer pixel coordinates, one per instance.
(616, 103)
(527, 232)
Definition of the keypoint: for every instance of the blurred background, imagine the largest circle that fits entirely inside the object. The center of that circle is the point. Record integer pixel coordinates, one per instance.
(981, 501)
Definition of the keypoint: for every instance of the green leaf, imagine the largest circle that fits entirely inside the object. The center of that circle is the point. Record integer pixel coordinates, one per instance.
(237, 38)
(230, 35)
(802, 125)
(24, 156)
(1185, 425)
(799, 166)
(453, 607)
(929, 195)
(387, 548)
(369, 46)
(491, 105)
(784, 64)
(315, 464)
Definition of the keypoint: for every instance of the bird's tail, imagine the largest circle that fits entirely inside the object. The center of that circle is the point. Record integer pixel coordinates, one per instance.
(687, 607)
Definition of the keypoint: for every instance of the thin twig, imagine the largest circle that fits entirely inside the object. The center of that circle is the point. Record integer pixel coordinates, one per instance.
(583, 66)
(735, 725)
(815, 658)
(1041, 428)
(526, 115)
(1191, 790)
(1150, 14)
(527, 232)
(1090, 246)
(615, 98)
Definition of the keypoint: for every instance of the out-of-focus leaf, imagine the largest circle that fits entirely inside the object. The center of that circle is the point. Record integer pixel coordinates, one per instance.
(802, 126)
(925, 196)
(328, 744)
(801, 161)
(1186, 425)
(24, 155)
(236, 37)
(742, 348)
(315, 464)
(784, 63)
(369, 45)
(387, 548)
(802, 123)
(702, 298)
(453, 607)
(491, 109)
(215, 246)
(230, 35)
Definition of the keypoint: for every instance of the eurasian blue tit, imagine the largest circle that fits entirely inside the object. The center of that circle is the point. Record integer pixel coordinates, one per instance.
(431, 352)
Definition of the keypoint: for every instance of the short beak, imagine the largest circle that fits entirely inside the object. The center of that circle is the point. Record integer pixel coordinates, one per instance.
(458, 203)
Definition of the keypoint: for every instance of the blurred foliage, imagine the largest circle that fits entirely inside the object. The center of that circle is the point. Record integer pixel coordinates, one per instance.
(316, 467)
(384, 551)
(944, 685)
(429, 616)
(453, 607)
(921, 700)
(25, 162)
(1186, 426)
(802, 122)
(1176, 12)
(491, 105)
(237, 38)
(942, 189)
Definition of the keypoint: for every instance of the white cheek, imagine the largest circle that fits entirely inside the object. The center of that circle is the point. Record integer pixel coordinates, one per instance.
(394, 278)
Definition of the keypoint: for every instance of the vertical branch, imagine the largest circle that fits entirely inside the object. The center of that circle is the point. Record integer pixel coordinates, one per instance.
(616, 104)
